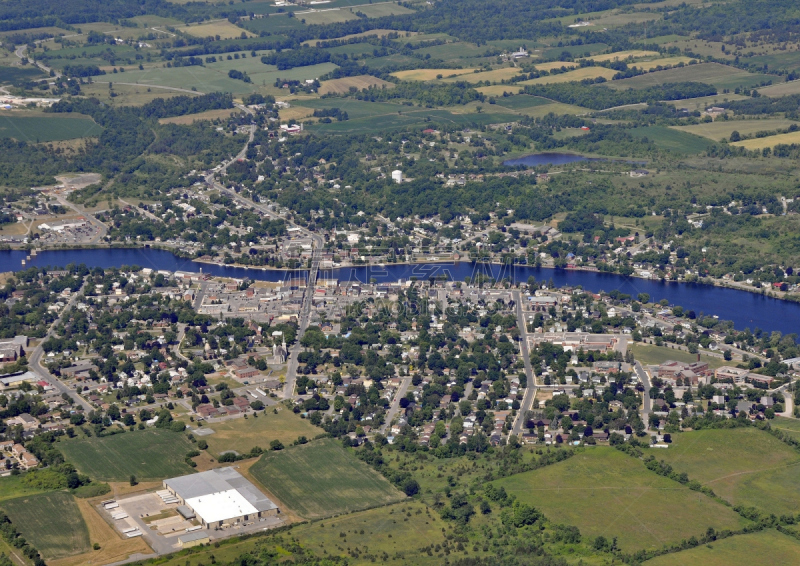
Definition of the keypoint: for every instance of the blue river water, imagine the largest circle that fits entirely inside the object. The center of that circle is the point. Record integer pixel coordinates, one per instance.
(746, 310)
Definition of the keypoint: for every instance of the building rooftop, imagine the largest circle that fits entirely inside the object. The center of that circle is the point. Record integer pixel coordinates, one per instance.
(207, 490)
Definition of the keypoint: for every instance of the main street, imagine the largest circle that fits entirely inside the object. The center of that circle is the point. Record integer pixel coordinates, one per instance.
(530, 390)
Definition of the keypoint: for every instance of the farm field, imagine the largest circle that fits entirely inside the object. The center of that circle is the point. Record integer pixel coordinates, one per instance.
(221, 113)
(374, 32)
(454, 51)
(326, 16)
(11, 74)
(383, 9)
(739, 550)
(623, 55)
(41, 128)
(416, 118)
(576, 75)
(493, 76)
(605, 492)
(428, 74)
(359, 82)
(654, 355)
(672, 140)
(34, 518)
(522, 101)
(666, 61)
(13, 486)
(242, 435)
(321, 479)
(780, 89)
(702, 102)
(769, 141)
(224, 29)
(549, 66)
(128, 95)
(744, 466)
(151, 454)
(499, 90)
(721, 76)
(722, 129)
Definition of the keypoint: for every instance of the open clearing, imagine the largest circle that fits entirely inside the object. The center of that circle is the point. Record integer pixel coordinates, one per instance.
(322, 479)
(721, 76)
(739, 550)
(744, 466)
(655, 355)
(781, 89)
(605, 492)
(494, 76)
(499, 90)
(769, 141)
(371, 33)
(522, 101)
(51, 521)
(428, 74)
(342, 86)
(722, 129)
(576, 75)
(624, 55)
(36, 129)
(703, 102)
(665, 138)
(224, 29)
(221, 113)
(152, 454)
(243, 434)
(666, 61)
(554, 65)
(789, 426)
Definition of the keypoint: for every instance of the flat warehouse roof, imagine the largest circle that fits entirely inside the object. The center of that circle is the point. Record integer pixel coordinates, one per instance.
(221, 506)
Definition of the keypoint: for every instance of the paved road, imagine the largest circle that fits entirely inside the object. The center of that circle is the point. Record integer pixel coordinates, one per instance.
(395, 407)
(102, 229)
(530, 391)
(35, 359)
(646, 395)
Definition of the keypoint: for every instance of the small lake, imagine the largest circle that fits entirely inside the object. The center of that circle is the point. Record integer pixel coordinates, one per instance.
(746, 310)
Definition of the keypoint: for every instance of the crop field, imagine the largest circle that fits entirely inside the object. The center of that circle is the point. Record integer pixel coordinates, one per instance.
(780, 89)
(51, 521)
(242, 435)
(605, 492)
(390, 60)
(666, 61)
(37, 129)
(359, 82)
(522, 101)
(273, 24)
(499, 90)
(494, 76)
(351, 49)
(612, 20)
(722, 129)
(624, 55)
(702, 102)
(12, 74)
(672, 140)
(744, 466)
(326, 16)
(151, 454)
(769, 141)
(454, 51)
(428, 74)
(224, 29)
(585, 50)
(654, 355)
(322, 479)
(373, 33)
(554, 65)
(721, 76)
(737, 551)
(576, 75)
(383, 9)
(222, 113)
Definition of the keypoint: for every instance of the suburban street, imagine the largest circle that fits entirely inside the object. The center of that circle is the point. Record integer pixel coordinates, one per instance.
(642, 374)
(530, 391)
(395, 407)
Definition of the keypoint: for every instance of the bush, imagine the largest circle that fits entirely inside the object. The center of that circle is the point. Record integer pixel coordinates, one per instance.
(202, 444)
(276, 445)
(91, 490)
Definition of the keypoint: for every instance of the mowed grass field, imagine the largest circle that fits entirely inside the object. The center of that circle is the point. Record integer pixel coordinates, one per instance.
(605, 492)
(342, 86)
(522, 101)
(654, 355)
(721, 76)
(151, 454)
(224, 29)
(623, 55)
(769, 141)
(493, 76)
(744, 466)
(221, 113)
(428, 74)
(769, 546)
(570, 76)
(36, 129)
(722, 129)
(242, 435)
(665, 138)
(51, 521)
(322, 479)
(781, 89)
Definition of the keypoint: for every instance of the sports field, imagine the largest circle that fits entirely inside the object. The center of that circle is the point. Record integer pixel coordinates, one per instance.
(722, 129)
(605, 492)
(36, 129)
(744, 466)
(741, 550)
(242, 435)
(770, 141)
(151, 454)
(654, 355)
(322, 479)
(51, 521)
(721, 76)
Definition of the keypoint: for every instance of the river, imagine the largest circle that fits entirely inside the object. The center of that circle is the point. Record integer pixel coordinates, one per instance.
(746, 310)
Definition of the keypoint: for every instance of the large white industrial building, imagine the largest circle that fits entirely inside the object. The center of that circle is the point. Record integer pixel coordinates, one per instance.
(221, 497)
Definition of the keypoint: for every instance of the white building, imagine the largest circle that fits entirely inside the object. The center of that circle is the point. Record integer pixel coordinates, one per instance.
(397, 176)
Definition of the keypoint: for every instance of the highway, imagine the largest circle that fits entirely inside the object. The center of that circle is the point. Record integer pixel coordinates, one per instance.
(530, 391)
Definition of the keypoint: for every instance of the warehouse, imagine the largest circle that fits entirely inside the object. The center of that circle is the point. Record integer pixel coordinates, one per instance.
(221, 497)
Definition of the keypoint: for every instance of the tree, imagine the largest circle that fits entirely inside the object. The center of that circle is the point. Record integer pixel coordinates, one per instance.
(727, 355)
(410, 487)
(133, 480)
(276, 445)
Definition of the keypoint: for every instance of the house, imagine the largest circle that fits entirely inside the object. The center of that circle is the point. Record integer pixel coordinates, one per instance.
(27, 461)
(25, 420)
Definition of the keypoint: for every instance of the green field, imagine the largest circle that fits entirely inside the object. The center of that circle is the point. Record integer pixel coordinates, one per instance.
(242, 435)
(47, 128)
(151, 454)
(51, 521)
(744, 466)
(672, 140)
(740, 550)
(721, 76)
(722, 129)
(322, 479)
(521, 101)
(605, 492)
(655, 355)
(12, 74)
(789, 426)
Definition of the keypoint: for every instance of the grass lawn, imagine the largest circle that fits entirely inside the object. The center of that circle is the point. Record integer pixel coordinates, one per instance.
(672, 140)
(51, 521)
(322, 479)
(744, 466)
(722, 129)
(46, 128)
(151, 454)
(789, 426)
(654, 355)
(740, 550)
(605, 492)
(243, 434)
(770, 141)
